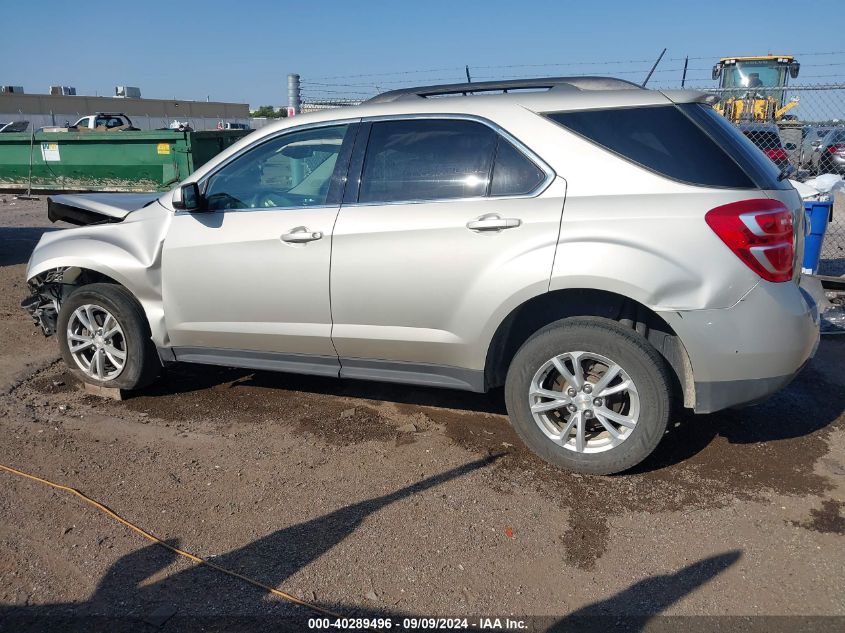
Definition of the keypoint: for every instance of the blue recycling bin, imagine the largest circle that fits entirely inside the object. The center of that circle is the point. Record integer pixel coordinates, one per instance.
(818, 212)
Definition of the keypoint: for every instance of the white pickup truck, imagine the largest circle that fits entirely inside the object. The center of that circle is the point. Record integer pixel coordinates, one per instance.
(104, 121)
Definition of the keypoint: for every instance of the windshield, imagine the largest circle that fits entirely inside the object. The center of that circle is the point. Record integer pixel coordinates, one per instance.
(763, 73)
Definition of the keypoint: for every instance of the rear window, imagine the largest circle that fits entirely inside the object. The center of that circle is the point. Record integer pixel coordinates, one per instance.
(753, 162)
(661, 139)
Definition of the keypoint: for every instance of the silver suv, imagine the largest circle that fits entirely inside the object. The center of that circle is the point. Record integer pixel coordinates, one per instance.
(601, 251)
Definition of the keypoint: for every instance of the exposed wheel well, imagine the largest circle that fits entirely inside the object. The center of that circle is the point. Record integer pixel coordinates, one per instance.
(87, 276)
(55, 285)
(539, 311)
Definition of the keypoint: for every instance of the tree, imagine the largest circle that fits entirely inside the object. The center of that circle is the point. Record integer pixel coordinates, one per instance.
(269, 112)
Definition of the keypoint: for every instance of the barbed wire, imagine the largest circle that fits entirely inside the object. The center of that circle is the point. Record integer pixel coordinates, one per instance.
(461, 68)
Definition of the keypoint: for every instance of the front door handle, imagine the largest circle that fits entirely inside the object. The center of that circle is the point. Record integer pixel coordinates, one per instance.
(493, 222)
(300, 235)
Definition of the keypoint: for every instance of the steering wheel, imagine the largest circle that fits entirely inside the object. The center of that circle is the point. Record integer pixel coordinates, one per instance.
(271, 199)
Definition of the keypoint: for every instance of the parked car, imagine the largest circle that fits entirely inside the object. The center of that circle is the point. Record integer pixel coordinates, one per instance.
(767, 138)
(828, 156)
(14, 126)
(811, 138)
(566, 245)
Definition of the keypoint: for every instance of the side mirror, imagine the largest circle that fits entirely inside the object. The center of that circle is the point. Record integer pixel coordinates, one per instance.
(794, 67)
(188, 198)
(717, 71)
(790, 146)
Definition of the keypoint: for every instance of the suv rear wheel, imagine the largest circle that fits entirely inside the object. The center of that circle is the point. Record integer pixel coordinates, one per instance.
(589, 395)
(105, 339)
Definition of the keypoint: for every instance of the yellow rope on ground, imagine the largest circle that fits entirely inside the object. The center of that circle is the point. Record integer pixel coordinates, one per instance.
(105, 510)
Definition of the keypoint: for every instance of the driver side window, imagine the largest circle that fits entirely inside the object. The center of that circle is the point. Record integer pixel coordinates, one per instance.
(292, 170)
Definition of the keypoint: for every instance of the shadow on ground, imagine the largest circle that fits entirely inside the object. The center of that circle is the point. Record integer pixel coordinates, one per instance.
(703, 462)
(125, 600)
(632, 609)
(18, 242)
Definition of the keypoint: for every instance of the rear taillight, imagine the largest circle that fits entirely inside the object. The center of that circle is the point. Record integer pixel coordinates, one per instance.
(777, 153)
(760, 233)
(836, 149)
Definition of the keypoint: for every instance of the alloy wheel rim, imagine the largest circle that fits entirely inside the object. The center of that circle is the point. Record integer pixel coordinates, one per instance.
(96, 342)
(584, 402)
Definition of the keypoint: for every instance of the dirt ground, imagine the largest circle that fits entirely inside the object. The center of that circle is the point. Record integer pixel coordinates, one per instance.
(377, 499)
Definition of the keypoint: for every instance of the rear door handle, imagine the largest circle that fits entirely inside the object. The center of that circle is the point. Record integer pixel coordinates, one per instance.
(493, 222)
(300, 235)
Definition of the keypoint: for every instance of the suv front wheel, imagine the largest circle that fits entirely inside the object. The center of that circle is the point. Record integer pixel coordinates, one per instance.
(105, 339)
(589, 395)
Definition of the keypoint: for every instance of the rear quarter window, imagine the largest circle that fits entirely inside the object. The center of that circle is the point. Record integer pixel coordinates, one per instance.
(661, 139)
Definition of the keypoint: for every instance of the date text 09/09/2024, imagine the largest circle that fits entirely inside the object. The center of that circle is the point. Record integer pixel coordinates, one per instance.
(418, 624)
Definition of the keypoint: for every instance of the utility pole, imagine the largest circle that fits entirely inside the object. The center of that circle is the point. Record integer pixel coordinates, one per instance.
(294, 93)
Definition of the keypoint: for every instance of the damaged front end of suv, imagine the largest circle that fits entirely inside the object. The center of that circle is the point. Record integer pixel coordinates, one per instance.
(46, 298)
(117, 241)
(49, 290)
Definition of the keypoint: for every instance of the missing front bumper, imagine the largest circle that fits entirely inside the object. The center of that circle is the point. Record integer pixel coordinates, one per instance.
(43, 304)
(43, 309)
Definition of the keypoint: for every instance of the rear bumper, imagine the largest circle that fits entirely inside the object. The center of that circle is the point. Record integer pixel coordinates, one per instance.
(715, 396)
(743, 354)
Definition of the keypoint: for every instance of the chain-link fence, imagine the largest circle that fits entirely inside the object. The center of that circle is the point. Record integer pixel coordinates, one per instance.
(802, 130)
(799, 128)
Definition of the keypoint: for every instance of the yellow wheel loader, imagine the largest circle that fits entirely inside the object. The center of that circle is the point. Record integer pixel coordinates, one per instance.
(752, 89)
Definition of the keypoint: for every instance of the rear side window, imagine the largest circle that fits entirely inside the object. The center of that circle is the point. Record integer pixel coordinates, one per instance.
(427, 159)
(514, 174)
(661, 139)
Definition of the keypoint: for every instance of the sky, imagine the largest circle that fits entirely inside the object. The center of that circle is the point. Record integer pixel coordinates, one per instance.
(228, 51)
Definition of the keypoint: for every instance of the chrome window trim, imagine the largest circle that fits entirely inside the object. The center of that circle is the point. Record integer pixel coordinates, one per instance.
(519, 145)
(257, 143)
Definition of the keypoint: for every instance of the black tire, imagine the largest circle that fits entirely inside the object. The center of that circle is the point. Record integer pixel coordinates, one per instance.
(142, 365)
(637, 357)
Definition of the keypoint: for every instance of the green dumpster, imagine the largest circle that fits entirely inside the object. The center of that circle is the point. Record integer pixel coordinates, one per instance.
(107, 161)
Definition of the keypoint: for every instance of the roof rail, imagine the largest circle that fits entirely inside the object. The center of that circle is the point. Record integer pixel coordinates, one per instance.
(550, 83)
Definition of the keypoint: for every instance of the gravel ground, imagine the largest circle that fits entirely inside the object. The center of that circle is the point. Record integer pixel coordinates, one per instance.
(370, 498)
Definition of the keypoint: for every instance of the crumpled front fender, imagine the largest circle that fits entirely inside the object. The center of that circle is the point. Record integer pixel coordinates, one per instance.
(128, 252)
